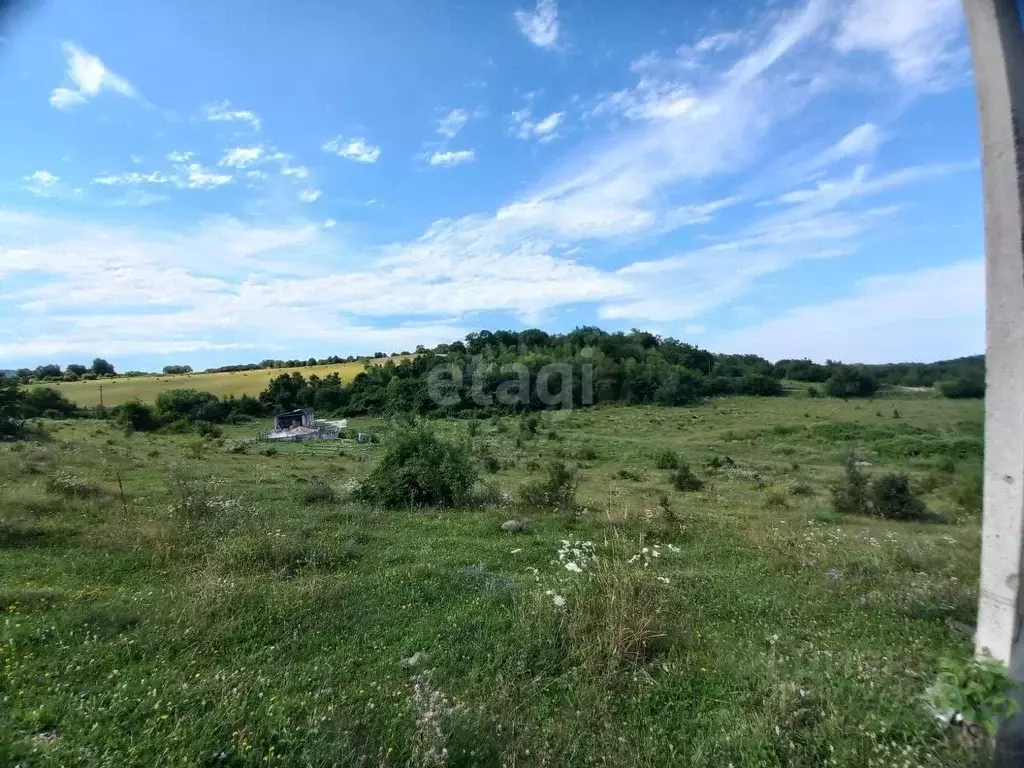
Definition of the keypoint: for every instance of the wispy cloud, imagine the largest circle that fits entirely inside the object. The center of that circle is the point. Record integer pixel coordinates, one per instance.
(297, 171)
(132, 178)
(450, 125)
(198, 177)
(923, 315)
(43, 178)
(241, 157)
(457, 157)
(222, 112)
(545, 129)
(922, 39)
(541, 24)
(357, 149)
(90, 76)
(309, 195)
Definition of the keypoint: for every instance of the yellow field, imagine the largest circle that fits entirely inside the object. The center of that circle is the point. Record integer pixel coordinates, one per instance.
(146, 388)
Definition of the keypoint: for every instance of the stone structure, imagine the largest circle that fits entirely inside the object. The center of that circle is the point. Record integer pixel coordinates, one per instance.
(997, 44)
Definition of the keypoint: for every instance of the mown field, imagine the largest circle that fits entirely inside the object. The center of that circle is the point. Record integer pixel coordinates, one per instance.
(146, 388)
(225, 610)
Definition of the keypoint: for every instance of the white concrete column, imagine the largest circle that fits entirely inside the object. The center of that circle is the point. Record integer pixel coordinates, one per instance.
(997, 46)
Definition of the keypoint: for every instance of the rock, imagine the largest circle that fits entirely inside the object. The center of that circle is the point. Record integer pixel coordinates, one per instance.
(512, 526)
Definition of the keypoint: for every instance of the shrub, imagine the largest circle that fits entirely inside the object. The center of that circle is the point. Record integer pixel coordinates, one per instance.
(419, 469)
(316, 491)
(630, 474)
(848, 381)
(969, 491)
(666, 510)
(490, 464)
(667, 459)
(556, 491)
(716, 463)
(683, 478)
(850, 496)
(969, 385)
(946, 465)
(812, 391)
(49, 403)
(71, 486)
(776, 500)
(585, 453)
(136, 415)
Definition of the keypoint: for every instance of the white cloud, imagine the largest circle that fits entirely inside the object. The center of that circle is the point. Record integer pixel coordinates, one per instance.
(309, 195)
(222, 112)
(198, 177)
(449, 125)
(330, 223)
(357, 149)
(922, 39)
(90, 76)
(457, 157)
(42, 178)
(256, 174)
(541, 24)
(298, 171)
(241, 157)
(132, 178)
(927, 314)
(180, 157)
(650, 99)
(544, 129)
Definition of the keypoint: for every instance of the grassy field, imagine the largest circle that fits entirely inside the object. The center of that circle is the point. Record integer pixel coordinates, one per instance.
(222, 613)
(146, 388)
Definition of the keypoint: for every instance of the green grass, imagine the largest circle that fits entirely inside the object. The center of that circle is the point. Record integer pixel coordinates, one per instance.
(146, 388)
(231, 611)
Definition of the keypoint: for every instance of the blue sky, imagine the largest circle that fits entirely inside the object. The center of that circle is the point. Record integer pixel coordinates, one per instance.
(211, 183)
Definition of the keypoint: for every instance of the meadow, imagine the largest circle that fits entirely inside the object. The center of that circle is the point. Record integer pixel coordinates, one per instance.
(171, 600)
(146, 388)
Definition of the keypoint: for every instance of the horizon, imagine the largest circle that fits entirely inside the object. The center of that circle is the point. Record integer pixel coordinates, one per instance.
(214, 186)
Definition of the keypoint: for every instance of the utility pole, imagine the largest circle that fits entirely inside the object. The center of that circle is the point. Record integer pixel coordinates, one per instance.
(997, 45)
(101, 395)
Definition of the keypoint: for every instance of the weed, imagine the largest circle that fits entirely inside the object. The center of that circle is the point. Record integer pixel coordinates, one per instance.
(776, 500)
(683, 478)
(65, 484)
(667, 459)
(316, 491)
(556, 491)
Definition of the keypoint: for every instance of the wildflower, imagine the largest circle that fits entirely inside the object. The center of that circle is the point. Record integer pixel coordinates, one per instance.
(558, 600)
(833, 573)
(573, 567)
(664, 580)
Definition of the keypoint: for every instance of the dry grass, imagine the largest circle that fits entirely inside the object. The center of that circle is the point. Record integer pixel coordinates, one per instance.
(146, 388)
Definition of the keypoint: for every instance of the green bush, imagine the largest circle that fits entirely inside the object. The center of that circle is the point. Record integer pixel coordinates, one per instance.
(630, 474)
(892, 498)
(850, 496)
(969, 490)
(137, 416)
(683, 478)
(848, 381)
(490, 464)
(556, 491)
(970, 384)
(419, 469)
(316, 491)
(667, 459)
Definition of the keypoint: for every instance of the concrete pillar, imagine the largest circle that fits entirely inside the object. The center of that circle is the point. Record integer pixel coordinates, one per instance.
(997, 46)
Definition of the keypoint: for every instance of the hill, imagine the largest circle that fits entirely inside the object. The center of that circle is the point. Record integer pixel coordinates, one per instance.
(146, 388)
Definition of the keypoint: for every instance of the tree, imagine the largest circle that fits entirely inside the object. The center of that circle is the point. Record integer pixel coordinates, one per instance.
(101, 367)
(848, 381)
(172, 370)
(76, 369)
(970, 384)
(12, 418)
(50, 371)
